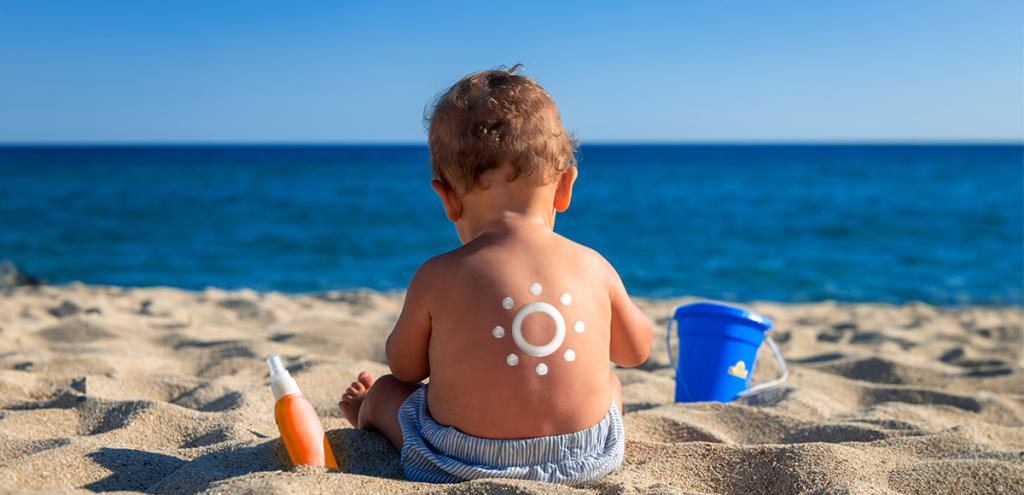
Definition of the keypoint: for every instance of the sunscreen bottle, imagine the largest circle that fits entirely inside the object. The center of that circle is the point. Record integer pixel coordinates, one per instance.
(301, 430)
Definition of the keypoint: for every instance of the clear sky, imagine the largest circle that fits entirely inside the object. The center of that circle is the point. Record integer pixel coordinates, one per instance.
(357, 72)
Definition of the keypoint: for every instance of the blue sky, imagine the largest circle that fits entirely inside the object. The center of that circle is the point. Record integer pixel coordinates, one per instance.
(358, 72)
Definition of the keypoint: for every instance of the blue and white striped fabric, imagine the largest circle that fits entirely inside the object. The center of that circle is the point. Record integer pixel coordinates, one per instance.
(441, 454)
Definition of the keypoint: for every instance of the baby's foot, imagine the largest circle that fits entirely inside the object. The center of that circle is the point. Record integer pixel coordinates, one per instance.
(353, 398)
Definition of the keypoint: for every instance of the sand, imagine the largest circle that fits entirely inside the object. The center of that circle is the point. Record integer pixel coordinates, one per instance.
(161, 390)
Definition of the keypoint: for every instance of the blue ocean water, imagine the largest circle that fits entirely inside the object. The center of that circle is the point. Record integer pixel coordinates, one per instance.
(941, 224)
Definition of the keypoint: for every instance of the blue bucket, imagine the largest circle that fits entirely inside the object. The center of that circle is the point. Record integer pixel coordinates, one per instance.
(717, 351)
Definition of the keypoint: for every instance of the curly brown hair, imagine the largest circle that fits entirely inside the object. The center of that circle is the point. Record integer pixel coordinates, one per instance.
(494, 118)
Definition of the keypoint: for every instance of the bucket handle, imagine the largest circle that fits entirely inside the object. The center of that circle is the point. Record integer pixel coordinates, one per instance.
(668, 338)
(785, 372)
(668, 348)
(756, 388)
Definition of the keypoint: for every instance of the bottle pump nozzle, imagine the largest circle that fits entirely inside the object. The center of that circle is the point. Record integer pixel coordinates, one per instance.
(281, 383)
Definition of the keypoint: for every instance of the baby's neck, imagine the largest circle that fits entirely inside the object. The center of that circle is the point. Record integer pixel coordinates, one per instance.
(512, 223)
(507, 208)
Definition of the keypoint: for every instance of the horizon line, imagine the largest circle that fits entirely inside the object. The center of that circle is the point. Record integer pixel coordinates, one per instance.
(353, 144)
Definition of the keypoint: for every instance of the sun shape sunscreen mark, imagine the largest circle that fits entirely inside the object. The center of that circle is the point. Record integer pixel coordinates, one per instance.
(517, 329)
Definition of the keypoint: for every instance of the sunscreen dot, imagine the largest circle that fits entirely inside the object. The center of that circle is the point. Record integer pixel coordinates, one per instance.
(542, 369)
(507, 303)
(512, 360)
(535, 289)
(569, 355)
(565, 299)
(577, 327)
(498, 332)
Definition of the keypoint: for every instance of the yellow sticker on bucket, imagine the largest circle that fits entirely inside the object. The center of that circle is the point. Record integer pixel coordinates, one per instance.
(739, 370)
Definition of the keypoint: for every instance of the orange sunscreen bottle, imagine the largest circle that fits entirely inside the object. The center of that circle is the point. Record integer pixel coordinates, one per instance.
(300, 427)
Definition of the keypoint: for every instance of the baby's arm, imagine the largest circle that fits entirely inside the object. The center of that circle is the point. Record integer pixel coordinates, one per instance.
(631, 331)
(408, 344)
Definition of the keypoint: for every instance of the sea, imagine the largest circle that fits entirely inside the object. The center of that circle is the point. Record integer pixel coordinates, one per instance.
(793, 223)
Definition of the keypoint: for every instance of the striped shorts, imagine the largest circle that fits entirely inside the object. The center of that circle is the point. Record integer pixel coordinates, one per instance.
(441, 454)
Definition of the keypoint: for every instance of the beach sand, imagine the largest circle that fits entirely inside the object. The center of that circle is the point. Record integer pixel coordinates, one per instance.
(161, 390)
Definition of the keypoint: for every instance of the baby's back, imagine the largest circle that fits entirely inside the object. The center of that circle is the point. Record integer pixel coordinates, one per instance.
(519, 342)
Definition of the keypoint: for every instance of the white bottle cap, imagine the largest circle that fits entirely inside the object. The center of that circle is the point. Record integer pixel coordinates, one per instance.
(281, 383)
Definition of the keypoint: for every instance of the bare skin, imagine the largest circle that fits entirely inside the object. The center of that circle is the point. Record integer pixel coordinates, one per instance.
(455, 300)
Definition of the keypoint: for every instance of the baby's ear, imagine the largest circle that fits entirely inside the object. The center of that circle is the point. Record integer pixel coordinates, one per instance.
(449, 198)
(564, 192)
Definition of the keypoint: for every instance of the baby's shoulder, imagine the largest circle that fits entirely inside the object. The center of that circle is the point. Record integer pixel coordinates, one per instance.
(501, 260)
(585, 257)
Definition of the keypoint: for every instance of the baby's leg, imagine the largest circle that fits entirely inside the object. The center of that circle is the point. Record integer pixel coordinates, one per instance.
(374, 405)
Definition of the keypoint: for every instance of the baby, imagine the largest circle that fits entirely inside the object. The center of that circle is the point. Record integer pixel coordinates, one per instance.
(516, 328)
